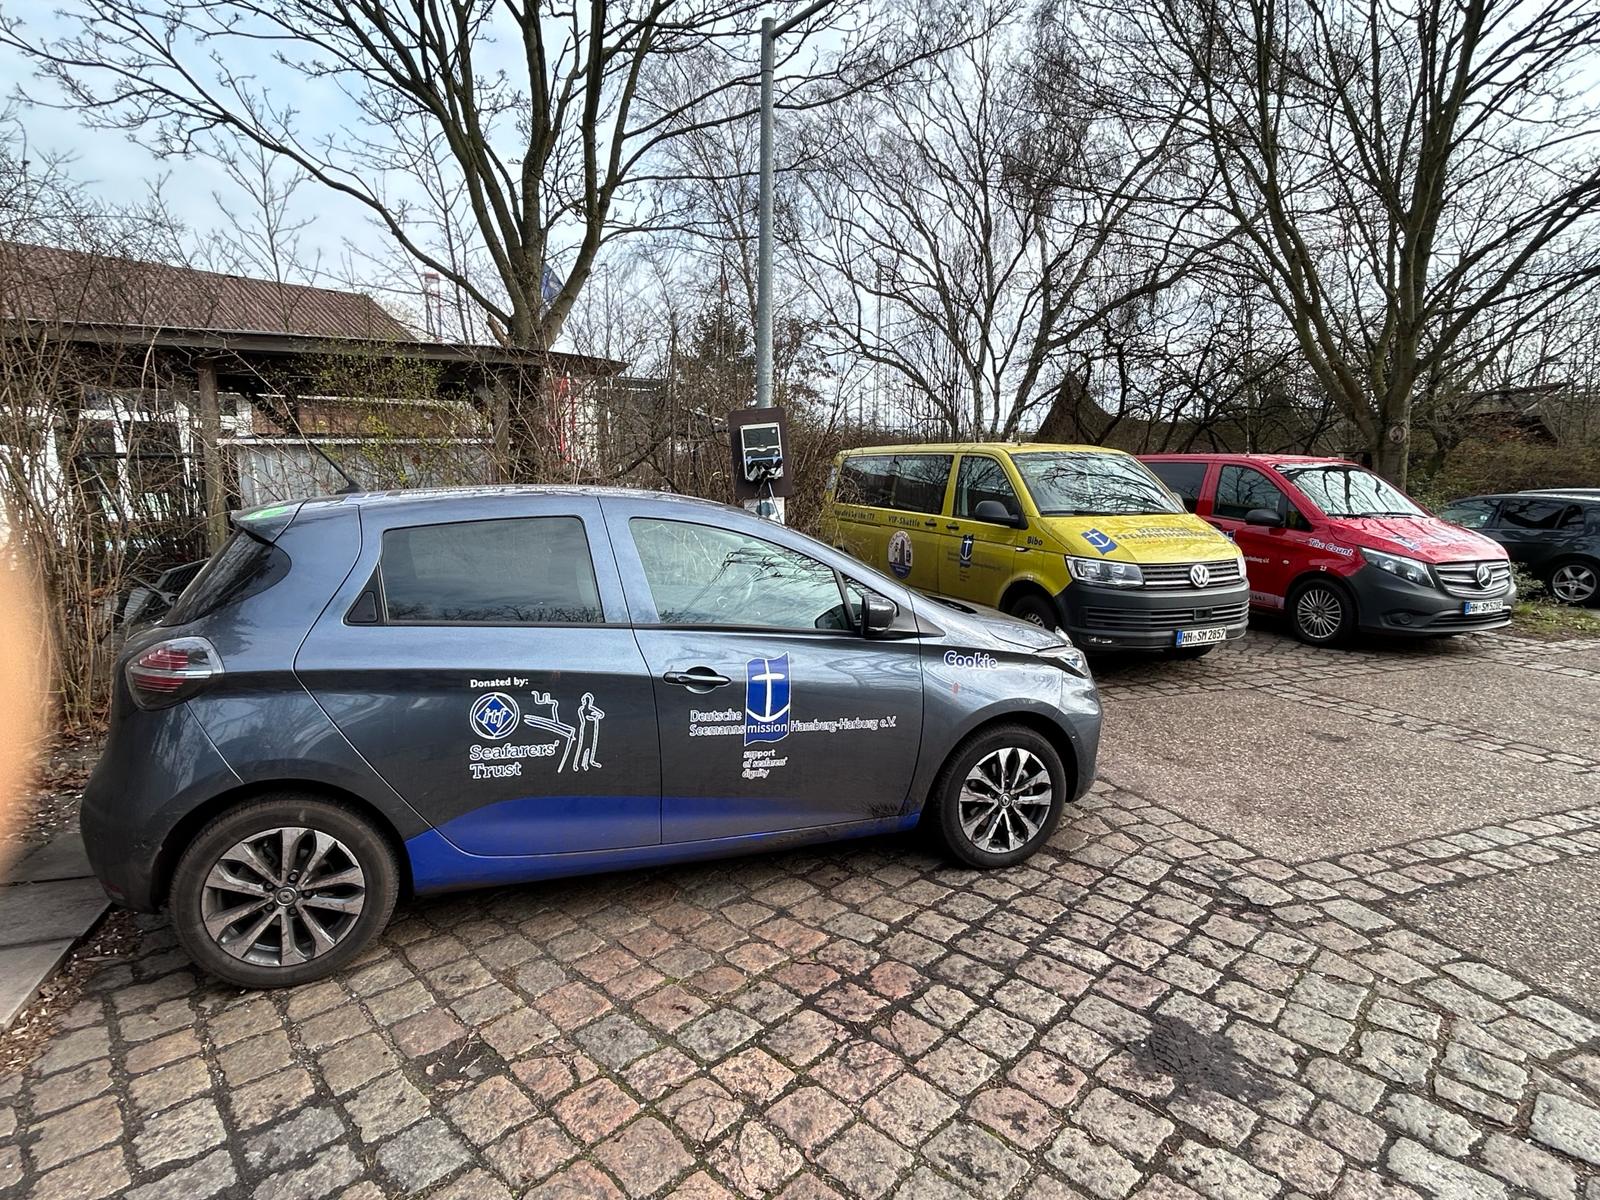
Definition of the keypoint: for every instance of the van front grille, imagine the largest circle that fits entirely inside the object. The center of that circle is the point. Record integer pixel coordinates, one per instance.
(1461, 578)
(1224, 573)
(1155, 619)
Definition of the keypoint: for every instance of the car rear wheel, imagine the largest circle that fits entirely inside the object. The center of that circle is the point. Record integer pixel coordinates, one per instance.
(1574, 582)
(1000, 796)
(282, 890)
(1035, 610)
(1321, 613)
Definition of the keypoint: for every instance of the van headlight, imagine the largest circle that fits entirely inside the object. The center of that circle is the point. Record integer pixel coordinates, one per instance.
(1105, 572)
(1068, 656)
(1408, 569)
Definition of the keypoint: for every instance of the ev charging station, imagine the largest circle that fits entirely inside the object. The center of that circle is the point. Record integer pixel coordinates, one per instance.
(759, 442)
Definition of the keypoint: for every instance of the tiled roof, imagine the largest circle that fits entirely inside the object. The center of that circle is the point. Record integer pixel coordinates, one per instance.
(70, 286)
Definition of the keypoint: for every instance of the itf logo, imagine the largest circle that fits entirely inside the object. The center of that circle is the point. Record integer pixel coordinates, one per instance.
(494, 715)
(766, 699)
(1100, 541)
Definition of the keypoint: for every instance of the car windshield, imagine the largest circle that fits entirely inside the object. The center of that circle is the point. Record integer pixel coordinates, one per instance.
(1071, 483)
(1348, 491)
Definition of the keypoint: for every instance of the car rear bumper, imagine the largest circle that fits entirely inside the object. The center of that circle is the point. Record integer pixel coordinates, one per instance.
(154, 770)
(1388, 605)
(1149, 619)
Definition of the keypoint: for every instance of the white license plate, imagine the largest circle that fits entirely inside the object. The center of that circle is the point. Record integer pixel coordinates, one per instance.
(1202, 637)
(1473, 608)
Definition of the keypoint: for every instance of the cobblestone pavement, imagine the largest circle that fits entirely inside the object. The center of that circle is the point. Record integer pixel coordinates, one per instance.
(1146, 1008)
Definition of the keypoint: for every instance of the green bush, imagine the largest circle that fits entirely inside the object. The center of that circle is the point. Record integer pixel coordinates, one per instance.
(1509, 465)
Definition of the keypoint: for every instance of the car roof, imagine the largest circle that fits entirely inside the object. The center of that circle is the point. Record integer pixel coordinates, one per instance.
(977, 447)
(406, 496)
(1269, 460)
(1575, 497)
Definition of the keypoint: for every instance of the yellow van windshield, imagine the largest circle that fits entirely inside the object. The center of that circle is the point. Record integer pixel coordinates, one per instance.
(1072, 483)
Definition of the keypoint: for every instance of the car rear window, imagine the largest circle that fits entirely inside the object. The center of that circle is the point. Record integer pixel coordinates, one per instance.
(245, 566)
(512, 571)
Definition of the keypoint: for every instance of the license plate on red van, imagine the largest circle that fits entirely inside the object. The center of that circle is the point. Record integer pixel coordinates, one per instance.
(1474, 608)
(1201, 637)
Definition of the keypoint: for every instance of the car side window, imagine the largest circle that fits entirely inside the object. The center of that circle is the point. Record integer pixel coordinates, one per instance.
(981, 478)
(919, 482)
(1534, 514)
(701, 575)
(865, 479)
(509, 571)
(1470, 514)
(1185, 479)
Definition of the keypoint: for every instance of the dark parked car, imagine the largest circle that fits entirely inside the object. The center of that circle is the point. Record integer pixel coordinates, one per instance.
(1555, 535)
(368, 696)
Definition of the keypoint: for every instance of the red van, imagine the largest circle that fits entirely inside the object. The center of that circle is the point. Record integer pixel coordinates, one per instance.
(1336, 548)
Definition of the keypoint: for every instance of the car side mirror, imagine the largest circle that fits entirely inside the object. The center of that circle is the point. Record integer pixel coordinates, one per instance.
(877, 613)
(996, 513)
(1267, 517)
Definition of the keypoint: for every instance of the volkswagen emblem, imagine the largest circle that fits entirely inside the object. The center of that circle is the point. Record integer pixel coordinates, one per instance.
(1484, 574)
(1200, 575)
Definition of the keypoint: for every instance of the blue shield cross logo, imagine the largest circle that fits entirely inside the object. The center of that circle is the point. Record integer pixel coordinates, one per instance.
(1100, 541)
(766, 699)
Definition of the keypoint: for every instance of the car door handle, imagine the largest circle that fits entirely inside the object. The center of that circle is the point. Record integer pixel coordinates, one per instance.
(697, 677)
(952, 527)
(931, 524)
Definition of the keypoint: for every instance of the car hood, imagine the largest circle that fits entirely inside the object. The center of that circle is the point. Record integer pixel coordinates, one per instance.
(1146, 538)
(1426, 538)
(979, 628)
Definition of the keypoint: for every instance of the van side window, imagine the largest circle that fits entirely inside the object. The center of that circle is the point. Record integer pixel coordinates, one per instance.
(1240, 489)
(1470, 514)
(512, 571)
(1183, 478)
(982, 478)
(866, 479)
(919, 482)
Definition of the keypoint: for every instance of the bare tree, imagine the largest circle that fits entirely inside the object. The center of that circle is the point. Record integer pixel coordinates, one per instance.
(1396, 173)
(530, 125)
(969, 231)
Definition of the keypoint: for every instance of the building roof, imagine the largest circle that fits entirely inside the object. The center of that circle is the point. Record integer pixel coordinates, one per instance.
(45, 283)
(97, 299)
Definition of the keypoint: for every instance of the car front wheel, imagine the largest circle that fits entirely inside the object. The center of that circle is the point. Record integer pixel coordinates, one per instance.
(282, 890)
(1000, 796)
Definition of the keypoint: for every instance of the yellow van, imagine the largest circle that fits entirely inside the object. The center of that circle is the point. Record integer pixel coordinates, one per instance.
(1076, 537)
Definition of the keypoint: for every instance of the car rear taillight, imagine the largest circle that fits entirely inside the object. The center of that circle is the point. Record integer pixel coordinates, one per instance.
(173, 670)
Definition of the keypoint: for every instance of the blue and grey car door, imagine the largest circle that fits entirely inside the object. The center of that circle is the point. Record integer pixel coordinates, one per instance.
(479, 658)
(776, 713)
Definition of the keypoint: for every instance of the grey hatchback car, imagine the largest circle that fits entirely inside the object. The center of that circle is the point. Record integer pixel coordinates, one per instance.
(370, 696)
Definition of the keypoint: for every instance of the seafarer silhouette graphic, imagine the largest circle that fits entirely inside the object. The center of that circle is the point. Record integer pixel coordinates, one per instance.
(589, 718)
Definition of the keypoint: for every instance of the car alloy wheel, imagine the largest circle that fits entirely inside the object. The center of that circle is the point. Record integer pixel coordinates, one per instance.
(1574, 583)
(1319, 612)
(282, 897)
(1005, 800)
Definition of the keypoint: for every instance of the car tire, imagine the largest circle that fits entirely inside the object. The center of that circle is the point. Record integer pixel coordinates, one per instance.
(1014, 763)
(1035, 610)
(1321, 613)
(1574, 581)
(237, 860)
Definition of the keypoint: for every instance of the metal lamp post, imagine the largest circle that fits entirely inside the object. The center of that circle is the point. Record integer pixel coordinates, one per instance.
(771, 30)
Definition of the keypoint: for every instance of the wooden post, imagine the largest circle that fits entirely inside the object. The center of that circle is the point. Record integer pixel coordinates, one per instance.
(208, 409)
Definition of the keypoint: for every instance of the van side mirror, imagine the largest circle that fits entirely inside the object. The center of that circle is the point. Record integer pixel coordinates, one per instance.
(1269, 518)
(877, 613)
(996, 513)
